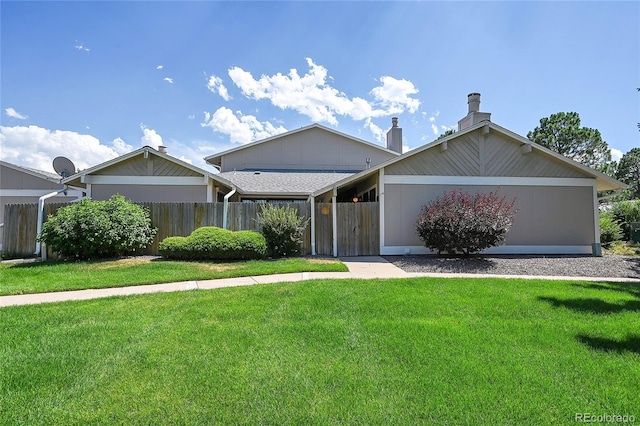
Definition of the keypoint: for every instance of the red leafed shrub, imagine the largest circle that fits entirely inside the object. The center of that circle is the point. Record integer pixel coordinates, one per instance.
(462, 223)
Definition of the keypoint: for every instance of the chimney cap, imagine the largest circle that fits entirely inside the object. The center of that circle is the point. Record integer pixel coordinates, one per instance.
(162, 149)
(473, 99)
(394, 121)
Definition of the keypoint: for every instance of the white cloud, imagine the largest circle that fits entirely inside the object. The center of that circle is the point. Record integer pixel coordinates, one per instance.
(168, 79)
(159, 67)
(395, 95)
(191, 117)
(36, 147)
(15, 114)
(150, 137)
(215, 85)
(240, 128)
(378, 134)
(120, 146)
(82, 47)
(311, 95)
(616, 154)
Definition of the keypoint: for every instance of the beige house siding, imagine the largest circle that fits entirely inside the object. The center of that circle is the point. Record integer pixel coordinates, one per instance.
(152, 193)
(14, 179)
(150, 166)
(18, 187)
(543, 219)
(482, 154)
(313, 149)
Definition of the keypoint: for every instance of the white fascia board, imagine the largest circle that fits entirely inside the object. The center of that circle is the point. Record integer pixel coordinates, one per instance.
(28, 192)
(486, 180)
(506, 249)
(144, 180)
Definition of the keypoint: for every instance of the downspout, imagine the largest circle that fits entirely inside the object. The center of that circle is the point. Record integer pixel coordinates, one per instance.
(334, 219)
(41, 217)
(312, 201)
(225, 207)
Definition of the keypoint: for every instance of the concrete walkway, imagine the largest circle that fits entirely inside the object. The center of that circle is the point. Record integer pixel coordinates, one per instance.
(365, 267)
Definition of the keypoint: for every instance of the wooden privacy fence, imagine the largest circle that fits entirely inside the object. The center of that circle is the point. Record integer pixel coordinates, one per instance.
(358, 224)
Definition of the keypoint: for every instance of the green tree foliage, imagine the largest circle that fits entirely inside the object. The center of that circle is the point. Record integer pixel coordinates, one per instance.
(629, 172)
(282, 228)
(446, 133)
(626, 212)
(459, 222)
(610, 229)
(98, 229)
(212, 243)
(562, 133)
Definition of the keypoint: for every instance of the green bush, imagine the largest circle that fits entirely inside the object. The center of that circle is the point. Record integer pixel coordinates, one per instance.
(98, 229)
(282, 228)
(214, 243)
(461, 223)
(610, 229)
(626, 212)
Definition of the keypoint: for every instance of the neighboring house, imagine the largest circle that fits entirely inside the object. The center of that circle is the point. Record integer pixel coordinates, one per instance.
(150, 175)
(22, 185)
(557, 197)
(293, 165)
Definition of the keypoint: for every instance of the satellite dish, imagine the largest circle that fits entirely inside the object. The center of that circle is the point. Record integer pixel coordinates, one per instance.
(63, 166)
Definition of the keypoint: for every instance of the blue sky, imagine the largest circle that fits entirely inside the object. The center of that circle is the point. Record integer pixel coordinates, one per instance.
(92, 80)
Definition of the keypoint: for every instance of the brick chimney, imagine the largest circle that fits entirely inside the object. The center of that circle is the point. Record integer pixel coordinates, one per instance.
(394, 136)
(474, 116)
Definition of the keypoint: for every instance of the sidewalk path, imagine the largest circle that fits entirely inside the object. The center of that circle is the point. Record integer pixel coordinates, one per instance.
(365, 267)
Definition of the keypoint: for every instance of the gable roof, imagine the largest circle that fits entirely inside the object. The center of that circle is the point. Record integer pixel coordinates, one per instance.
(41, 174)
(146, 150)
(215, 159)
(603, 181)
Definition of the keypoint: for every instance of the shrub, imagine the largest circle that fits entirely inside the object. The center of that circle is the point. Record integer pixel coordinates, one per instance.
(282, 228)
(610, 229)
(626, 212)
(98, 229)
(461, 223)
(214, 243)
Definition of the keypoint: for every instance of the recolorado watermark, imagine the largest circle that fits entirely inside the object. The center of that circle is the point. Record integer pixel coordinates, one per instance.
(604, 418)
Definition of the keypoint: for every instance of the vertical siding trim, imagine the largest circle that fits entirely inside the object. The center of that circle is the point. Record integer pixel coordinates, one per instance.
(381, 199)
(596, 214)
(312, 204)
(334, 220)
(482, 154)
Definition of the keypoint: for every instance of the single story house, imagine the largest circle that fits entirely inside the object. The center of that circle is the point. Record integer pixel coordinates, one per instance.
(557, 197)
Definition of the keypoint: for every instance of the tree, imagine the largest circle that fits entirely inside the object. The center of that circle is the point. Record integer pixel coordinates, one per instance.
(446, 133)
(562, 133)
(629, 171)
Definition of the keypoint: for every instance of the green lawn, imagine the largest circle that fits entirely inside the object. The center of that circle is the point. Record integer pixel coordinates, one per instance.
(41, 277)
(413, 351)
